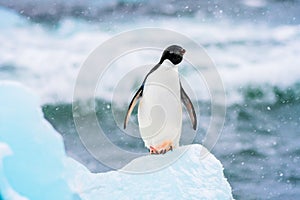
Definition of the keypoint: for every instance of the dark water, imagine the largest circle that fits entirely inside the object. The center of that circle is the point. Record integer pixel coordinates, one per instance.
(51, 11)
(259, 145)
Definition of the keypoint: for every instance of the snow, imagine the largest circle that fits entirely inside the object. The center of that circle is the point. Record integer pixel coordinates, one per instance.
(33, 163)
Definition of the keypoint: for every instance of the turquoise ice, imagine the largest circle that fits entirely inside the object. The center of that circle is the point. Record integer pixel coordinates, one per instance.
(33, 163)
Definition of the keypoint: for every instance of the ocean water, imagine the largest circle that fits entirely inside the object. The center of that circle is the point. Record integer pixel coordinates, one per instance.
(255, 47)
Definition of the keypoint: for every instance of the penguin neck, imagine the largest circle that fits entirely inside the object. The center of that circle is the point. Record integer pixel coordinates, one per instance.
(162, 65)
(168, 65)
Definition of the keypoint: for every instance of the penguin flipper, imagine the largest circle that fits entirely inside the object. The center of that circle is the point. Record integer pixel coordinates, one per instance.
(189, 106)
(132, 104)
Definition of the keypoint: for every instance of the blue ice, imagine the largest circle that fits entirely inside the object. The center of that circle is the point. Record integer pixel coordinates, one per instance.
(34, 165)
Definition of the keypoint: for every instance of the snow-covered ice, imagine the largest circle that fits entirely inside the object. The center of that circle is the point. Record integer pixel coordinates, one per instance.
(33, 163)
(196, 175)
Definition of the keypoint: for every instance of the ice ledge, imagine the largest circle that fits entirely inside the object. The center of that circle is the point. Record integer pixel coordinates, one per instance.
(197, 174)
(33, 164)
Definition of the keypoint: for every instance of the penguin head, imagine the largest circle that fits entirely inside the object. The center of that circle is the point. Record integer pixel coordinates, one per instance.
(173, 53)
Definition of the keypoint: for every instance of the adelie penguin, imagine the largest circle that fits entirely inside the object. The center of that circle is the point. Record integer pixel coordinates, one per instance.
(160, 109)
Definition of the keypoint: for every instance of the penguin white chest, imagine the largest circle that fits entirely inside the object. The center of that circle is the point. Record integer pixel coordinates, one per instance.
(160, 110)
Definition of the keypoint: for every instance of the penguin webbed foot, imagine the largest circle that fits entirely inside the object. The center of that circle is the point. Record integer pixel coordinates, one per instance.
(162, 149)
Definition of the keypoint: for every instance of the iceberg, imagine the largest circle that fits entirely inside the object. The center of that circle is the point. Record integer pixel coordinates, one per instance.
(35, 168)
(34, 165)
(193, 176)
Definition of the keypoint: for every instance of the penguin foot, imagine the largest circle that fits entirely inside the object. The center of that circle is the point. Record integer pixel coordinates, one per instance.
(163, 148)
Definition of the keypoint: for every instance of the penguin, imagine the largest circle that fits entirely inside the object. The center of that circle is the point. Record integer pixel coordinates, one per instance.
(160, 97)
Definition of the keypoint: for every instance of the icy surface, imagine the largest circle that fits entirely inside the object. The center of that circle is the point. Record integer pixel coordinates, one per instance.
(5, 188)
(35, 169)
(33, 164)
(196, 175)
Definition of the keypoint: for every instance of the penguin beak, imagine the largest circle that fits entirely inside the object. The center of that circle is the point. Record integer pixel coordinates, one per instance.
(182, 52)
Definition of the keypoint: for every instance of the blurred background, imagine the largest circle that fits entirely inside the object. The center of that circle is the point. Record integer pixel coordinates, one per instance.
(255, 45)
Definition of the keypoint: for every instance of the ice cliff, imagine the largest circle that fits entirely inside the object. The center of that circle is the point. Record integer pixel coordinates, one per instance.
(33, 163)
